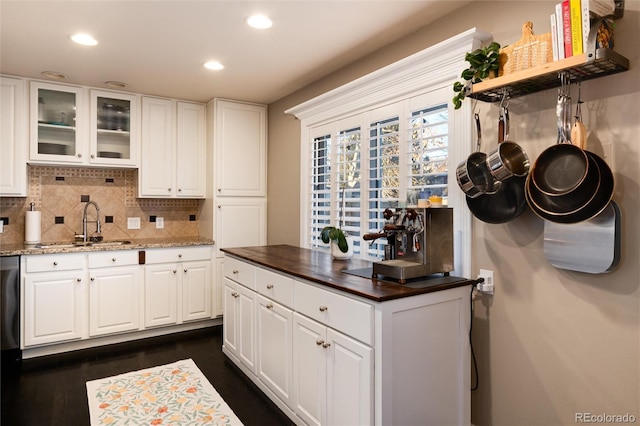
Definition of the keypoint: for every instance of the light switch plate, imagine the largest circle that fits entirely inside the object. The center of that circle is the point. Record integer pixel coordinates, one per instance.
(133, 223)
(159, 222)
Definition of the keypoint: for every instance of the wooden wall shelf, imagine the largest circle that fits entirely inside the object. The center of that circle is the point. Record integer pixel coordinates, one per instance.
(580, 67)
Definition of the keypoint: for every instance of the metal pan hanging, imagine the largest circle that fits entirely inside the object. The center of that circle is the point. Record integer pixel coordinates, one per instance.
(472, 175)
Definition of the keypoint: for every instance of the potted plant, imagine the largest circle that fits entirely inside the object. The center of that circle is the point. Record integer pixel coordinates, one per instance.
(341, 242)
(483, 63)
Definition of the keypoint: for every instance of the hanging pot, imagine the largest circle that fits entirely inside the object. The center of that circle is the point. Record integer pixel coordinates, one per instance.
(504, 205)
(473, 175)
(508, 159)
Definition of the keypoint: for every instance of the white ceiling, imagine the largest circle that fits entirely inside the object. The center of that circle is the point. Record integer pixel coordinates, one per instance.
(158, 47)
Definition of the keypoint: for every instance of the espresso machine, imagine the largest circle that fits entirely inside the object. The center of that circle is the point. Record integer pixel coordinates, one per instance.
(419, 243)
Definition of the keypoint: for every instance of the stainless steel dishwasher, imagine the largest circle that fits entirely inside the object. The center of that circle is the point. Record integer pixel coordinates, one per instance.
(10, 307)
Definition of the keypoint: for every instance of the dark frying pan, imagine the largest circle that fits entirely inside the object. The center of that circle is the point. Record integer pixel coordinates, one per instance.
(504, 205)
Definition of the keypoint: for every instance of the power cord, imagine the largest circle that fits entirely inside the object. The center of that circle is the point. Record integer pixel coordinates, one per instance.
(473, 355)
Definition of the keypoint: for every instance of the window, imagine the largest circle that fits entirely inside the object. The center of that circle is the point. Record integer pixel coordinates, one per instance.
(365, 144)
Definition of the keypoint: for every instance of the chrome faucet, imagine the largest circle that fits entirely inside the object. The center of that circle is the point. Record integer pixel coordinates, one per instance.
(85, 235)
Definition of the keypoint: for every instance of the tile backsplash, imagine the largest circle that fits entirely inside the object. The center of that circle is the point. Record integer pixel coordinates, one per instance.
(59, 193)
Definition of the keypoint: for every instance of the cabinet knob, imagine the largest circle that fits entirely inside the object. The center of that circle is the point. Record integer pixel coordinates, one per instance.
(175, 271)
(269, 286)
(323, 308)
(179, 189)
(219, 189)
(79, 279)
(326, 345)
(93, 156)
(93, 278)
(269, 305)
(113, 259)
(235, 271)
(235, 294)
(185, 270)
(79, 155)
(179, 255)
(55, 263)
(319, 342)
(219, 206)
(169, 189)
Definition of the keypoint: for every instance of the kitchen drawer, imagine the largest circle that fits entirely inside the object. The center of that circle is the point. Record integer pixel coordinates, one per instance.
(352, 317)
(239, 271)
(178, 254)
(275, 286)
(54, 262)
(105, 259)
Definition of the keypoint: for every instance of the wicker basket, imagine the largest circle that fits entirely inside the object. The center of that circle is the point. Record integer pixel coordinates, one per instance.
(530, 51)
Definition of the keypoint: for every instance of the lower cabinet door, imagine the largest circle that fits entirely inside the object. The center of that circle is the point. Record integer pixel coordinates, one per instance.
(274, 347)
(309, 370)
(196, 290)
(349, 381)
(246, 317)
(160, 289)
(54, 306)
(114, 300)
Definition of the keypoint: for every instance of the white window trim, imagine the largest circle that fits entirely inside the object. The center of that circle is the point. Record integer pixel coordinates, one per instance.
(430, 69)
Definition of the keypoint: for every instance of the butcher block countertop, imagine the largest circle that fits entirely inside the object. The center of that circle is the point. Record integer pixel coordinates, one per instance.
(321, 268)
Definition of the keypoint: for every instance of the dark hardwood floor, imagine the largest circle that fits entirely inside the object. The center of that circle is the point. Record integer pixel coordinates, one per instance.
(51, 390)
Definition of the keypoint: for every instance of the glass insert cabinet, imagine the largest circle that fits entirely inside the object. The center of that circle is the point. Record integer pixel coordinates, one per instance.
(83, 126)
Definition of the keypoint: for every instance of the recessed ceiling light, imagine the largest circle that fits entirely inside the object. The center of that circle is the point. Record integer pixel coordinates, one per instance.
(84, 39)
(54, 75)
(213, 65)
(260, 22)
(116, 84)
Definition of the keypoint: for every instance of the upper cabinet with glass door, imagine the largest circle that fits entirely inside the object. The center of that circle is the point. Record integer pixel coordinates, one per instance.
(113, 124)
(56, 129)
(75, 125)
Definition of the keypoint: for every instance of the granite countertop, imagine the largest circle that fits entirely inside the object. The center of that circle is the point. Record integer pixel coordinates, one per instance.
(136, 244)
(321, 268)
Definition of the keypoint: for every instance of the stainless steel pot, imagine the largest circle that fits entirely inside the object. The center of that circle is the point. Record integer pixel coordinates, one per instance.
(473, 175)
(508, 159)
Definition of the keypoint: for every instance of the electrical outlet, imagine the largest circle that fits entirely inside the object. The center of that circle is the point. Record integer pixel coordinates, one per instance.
(1, 226)
(133, 223)
(159, 222)
(488, 284)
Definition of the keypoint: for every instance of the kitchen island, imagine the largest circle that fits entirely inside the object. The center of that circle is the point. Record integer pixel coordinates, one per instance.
(330, 345)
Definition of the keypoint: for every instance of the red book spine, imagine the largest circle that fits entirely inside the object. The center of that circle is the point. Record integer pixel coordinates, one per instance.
(566, 28)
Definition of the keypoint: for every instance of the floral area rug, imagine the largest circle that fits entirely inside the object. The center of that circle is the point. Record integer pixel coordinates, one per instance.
(176, 394)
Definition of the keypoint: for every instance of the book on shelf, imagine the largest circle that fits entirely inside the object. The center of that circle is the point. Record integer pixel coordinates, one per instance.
(575, 8)
(566, 29)
(554, 36)
(560, 31)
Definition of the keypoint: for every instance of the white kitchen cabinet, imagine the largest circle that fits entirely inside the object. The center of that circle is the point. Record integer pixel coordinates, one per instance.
(173, 149)
(240, 148)
(59, 128)
(74, 125)
(240, 222)
(332, 374)
(114, 292)
(239, 323)
(178, 285)
(274, 347)
(353, 360)
(114, 127)
(54, 289)
(14, 140)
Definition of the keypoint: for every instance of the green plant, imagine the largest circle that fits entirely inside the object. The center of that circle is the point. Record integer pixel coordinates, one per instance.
(331, 233)
(482, 62)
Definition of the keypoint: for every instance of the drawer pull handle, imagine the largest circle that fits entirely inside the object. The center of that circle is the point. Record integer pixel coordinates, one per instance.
(326, 345)
(319, 342)
(269, 286)
(323, 308)
(269, 305)
(55, 263)
(235, 271)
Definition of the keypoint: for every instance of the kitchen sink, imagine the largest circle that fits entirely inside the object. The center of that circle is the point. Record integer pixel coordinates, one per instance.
(63, 245)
